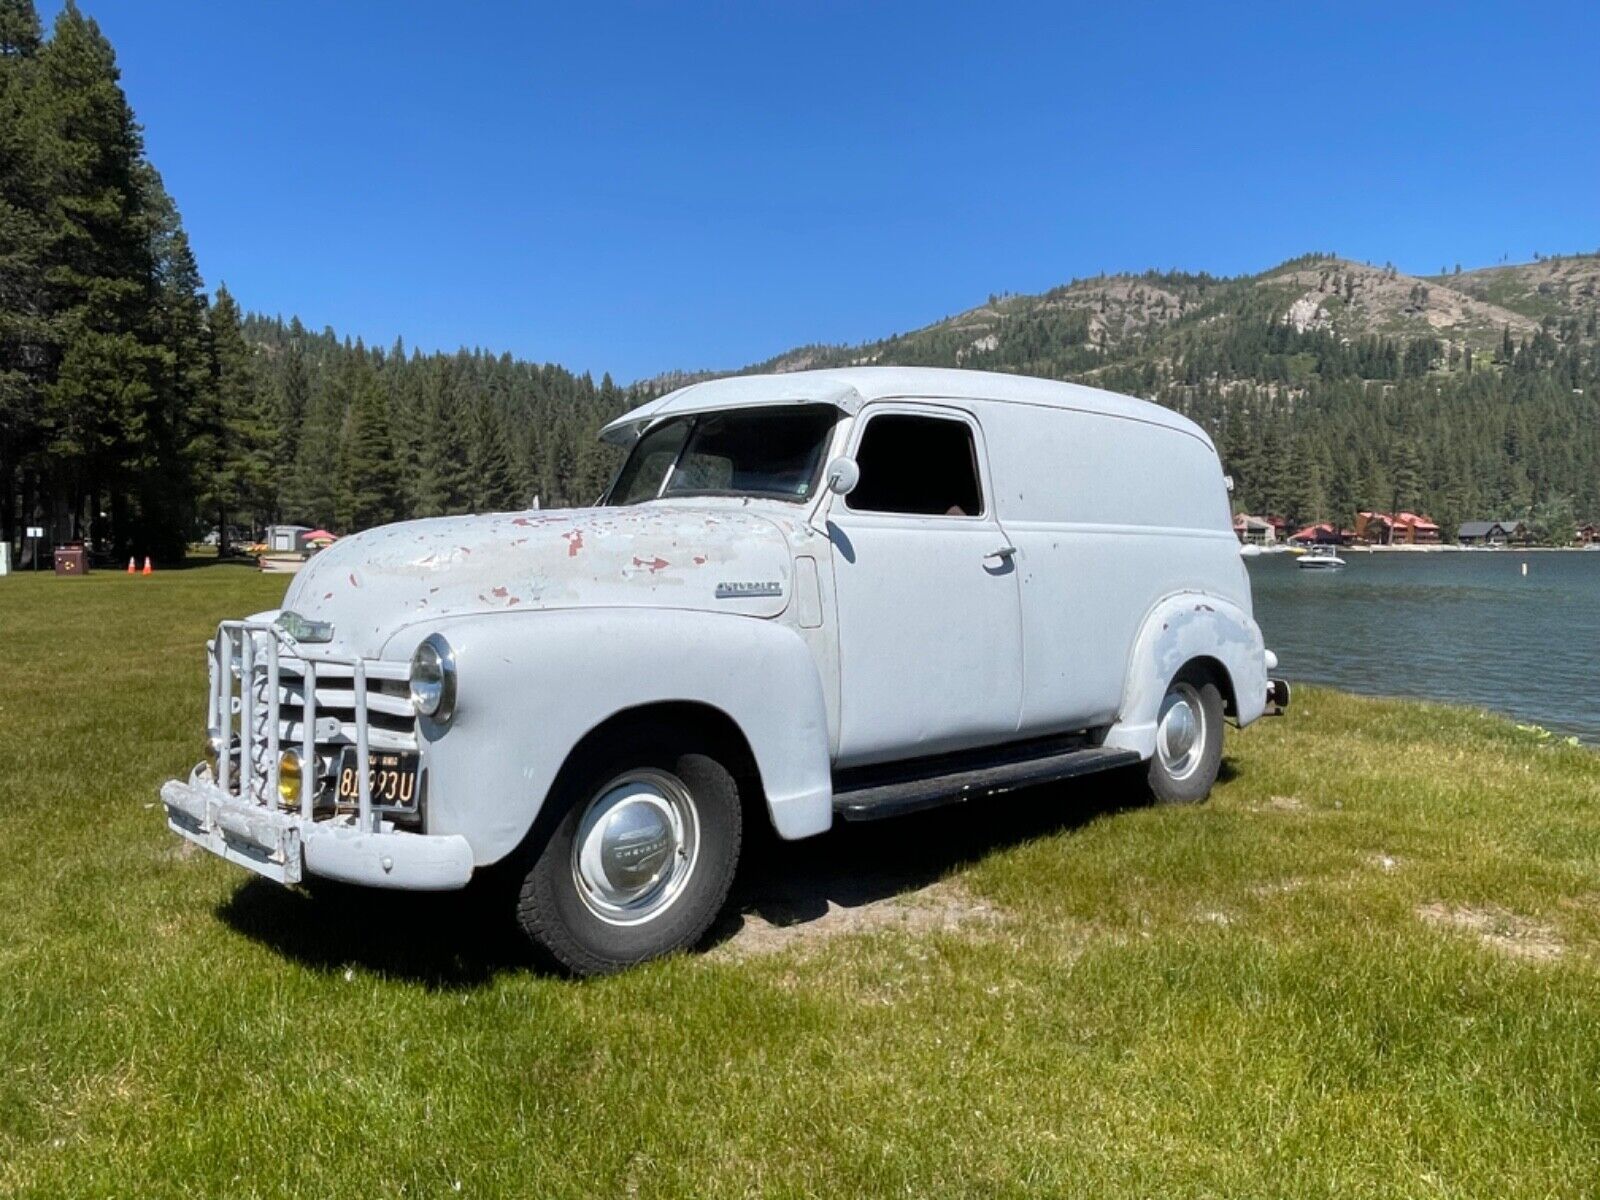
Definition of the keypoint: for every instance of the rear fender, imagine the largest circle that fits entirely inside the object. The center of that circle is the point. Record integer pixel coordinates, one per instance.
(1178, 630)
(532, 685)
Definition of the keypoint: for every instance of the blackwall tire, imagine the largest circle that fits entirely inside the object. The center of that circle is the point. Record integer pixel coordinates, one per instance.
(632, 858)
(1188, 750)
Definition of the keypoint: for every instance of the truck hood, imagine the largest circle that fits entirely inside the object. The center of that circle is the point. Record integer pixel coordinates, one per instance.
(373, 584)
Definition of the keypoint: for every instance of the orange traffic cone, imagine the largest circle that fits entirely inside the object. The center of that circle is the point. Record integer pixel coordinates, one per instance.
(147, 570)
(130, 565)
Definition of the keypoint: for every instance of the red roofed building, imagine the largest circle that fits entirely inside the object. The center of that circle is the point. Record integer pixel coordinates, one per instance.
(1374, 527)
(1420, 530)
(1323, 533)
(1397, 529)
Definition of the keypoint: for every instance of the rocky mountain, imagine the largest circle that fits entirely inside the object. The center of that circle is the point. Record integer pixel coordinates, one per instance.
(1091, 322)
(1329, 385)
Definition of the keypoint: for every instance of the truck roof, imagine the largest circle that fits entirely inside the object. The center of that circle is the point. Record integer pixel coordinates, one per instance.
(848, 388)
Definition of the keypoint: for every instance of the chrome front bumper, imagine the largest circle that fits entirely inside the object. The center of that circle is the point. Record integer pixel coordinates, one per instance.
(285, 847)
(237, 815)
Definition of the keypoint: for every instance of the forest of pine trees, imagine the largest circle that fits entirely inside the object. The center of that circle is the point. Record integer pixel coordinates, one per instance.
(138, 412)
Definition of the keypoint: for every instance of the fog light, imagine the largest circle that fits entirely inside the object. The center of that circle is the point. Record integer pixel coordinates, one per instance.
(289, 775)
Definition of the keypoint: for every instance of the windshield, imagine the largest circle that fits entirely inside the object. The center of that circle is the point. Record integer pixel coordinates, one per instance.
(774, 452)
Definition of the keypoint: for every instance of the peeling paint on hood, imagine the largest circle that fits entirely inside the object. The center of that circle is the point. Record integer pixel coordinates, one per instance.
(372, 584)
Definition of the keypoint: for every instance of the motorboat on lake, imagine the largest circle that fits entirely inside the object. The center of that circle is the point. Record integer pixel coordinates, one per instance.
(1322, 557)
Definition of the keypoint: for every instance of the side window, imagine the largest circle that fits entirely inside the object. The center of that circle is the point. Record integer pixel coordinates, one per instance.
(927, 466)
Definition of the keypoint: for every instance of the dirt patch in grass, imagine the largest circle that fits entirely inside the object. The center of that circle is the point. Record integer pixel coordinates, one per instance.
(942, 907)
(1279, 804)
(1503, 931)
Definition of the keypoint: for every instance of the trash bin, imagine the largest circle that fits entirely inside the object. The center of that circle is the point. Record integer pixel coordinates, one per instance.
(72, 560)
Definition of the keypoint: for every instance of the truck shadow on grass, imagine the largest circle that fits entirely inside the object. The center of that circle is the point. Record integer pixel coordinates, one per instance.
(464, 939)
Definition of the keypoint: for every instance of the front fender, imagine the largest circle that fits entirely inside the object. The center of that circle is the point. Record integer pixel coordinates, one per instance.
(531, 685)
(1180, 628)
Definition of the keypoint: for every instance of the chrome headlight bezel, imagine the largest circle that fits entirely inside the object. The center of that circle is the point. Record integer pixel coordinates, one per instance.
(432, 679)
(302, 629)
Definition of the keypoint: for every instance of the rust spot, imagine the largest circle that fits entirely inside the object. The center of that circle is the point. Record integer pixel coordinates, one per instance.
(500, 593)
(653, 564)
(523, 521)
(513, 600)
(574, 542)
(699, 560)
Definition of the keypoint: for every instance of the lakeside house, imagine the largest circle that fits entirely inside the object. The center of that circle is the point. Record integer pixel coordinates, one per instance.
(1255, 531)
(1491, 533)
(1396, 529)
(1587, 535)
(1324, 533)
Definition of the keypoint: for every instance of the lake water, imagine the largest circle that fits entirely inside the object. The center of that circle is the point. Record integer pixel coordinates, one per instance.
(1468, 628)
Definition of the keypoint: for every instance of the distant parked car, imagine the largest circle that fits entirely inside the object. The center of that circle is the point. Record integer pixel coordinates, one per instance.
(834, 594)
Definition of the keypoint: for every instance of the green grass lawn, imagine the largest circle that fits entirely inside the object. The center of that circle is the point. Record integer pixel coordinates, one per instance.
(1367, 967)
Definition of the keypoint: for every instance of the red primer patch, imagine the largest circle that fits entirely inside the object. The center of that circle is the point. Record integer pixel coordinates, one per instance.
(574, 542)
(699, 560)
(500, 593)
(653, 564)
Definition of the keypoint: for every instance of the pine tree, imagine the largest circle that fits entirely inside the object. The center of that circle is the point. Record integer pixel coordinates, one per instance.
(98, 270)
(493, 480)
(23, 323)
(369, 476)
(446, 474)
(241, 482)
(313, 495)
(293, 397)
(165, 488)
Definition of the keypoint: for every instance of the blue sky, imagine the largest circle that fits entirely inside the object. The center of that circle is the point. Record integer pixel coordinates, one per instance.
(638, 188)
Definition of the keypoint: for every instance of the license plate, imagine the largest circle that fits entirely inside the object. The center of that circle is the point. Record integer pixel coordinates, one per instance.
(392, 778)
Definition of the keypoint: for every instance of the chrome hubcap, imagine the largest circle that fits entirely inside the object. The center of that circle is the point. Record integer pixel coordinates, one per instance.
(636, 848)
(1180, 731)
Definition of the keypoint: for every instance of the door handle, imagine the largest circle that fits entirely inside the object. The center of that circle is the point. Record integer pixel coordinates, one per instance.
(1004, 554)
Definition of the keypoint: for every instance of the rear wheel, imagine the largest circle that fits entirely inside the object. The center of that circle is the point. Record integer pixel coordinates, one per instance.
(639, 848)
(1188, 740)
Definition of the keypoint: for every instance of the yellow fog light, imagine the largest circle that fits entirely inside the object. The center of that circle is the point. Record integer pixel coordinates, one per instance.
(289, 777)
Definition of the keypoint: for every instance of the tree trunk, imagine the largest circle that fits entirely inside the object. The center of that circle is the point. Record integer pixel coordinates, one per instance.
(8, 502)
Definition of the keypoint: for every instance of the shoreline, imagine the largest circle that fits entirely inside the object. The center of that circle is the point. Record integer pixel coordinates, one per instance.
(1442, 548)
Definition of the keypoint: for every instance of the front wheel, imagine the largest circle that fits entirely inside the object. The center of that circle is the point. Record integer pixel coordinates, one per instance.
(1188, 740)
(641, 848)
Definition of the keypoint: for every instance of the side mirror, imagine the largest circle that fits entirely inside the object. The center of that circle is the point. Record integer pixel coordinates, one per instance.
(842, 476)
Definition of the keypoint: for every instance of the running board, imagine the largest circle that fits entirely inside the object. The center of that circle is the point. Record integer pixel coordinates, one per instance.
(897, 797)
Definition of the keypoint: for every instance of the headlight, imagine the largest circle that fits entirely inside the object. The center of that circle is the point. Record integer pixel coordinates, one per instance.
(433, 679)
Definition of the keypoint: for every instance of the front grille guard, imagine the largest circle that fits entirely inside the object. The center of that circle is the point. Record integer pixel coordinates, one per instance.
(233, 655)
